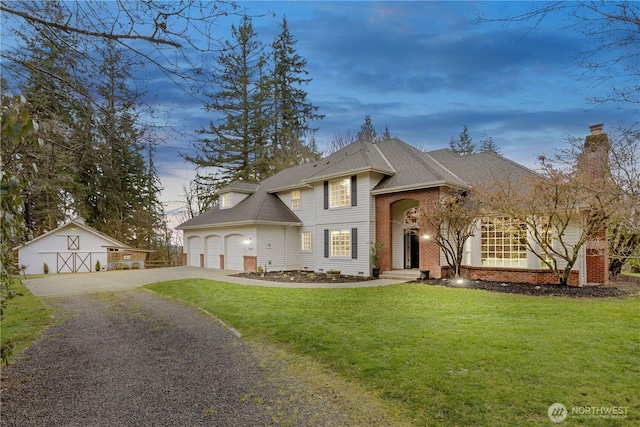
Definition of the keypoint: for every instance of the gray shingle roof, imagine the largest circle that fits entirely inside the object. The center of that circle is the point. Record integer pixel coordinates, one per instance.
(405, 167)
(413, 169)
(482, 168)
(359, 156)
(260, 207)
(239, 187)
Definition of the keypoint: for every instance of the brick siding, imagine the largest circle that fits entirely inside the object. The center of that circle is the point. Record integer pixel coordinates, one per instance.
(429, 251)
(517, 275)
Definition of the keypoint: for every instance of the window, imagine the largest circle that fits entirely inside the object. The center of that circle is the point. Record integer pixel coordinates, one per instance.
(503, 242)
(295, 199)
(340, 193)
(73, 243)
(411, 216)
(225, 200)
(546, 240)
(341, 243)
(306, 241)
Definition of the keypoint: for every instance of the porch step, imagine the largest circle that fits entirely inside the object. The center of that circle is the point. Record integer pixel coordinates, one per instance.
(407, 275)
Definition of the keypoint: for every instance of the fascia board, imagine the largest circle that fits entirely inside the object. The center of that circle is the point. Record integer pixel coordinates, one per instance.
(236, 224)
(317, 178)
(412, 187)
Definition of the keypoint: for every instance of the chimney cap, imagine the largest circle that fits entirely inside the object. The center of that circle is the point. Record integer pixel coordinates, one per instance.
(596, 129)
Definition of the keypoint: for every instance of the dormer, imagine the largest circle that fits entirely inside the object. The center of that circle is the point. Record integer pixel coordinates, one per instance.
(235, 192)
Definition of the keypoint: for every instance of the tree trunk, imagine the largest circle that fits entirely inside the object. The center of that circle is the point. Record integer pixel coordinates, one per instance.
(615, 267)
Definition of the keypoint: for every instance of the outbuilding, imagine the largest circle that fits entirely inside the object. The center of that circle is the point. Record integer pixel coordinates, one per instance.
(75, 247)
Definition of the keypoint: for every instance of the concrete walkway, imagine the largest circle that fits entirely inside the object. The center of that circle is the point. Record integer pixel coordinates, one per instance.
(81, 283)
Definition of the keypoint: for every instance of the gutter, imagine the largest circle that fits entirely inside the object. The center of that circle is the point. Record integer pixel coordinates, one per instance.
(238, 223)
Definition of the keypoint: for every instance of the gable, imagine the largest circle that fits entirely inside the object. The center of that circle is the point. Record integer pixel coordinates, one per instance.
(75, 227)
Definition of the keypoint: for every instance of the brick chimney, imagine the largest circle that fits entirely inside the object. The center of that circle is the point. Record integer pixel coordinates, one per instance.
(594, 165)
(594, 160)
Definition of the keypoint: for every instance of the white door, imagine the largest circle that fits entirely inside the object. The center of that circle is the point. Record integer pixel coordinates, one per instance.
(214, 249)
(195, 249)
(234, 258)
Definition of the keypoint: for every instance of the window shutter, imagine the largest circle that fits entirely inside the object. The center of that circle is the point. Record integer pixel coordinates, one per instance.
(326, 243)
(354, 190)
(326, 194)
(354, 243)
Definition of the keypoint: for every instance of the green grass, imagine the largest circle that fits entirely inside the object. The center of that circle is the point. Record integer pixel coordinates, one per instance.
(631, 274)
(25, 317)
(451, 357)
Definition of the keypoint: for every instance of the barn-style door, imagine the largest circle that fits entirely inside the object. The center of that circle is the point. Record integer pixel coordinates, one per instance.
(74, 262)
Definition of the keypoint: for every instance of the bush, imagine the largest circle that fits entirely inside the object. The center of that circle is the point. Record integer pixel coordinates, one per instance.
(45, 268)
(97, 265)
(634, 265)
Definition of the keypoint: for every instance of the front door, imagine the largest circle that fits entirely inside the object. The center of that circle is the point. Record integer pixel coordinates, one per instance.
(411, 249)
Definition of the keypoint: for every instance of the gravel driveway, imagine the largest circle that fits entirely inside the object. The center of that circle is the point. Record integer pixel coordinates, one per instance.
(133, 358)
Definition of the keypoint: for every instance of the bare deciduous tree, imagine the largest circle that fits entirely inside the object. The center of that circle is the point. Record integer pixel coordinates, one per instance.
(613, 27)
(453, 222)
(560, 210)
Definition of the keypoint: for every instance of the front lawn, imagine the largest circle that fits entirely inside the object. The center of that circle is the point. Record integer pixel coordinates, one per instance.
(449, 356)
(25, 317)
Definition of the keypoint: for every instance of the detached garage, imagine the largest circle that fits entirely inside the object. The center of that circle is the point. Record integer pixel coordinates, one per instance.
(76, 248)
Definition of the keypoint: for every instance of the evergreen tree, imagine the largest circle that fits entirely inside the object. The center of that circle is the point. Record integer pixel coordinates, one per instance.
(386, 134)
(487, 145)
(292, 112)
(236, 145)
(50, 171)
(463, 145)
(121, 195)
(367, 131)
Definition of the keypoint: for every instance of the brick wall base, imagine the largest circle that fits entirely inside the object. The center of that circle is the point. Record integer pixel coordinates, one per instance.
(250, 263)
(516, 275)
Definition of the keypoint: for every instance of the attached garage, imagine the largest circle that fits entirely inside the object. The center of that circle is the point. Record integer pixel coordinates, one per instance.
(213, 251)
(235, 251)
(194, 250)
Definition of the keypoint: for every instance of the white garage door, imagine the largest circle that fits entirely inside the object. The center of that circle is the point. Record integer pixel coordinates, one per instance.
(195, 249)
(235, 252)
(214, 249)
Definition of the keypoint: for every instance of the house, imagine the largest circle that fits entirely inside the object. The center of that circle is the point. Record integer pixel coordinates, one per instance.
(74, 247)
(325, 215)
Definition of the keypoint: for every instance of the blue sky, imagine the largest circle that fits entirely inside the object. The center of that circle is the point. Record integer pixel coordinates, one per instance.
(424, 69)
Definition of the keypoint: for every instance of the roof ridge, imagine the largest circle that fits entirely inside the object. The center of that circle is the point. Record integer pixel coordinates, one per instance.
(444, 167)
(385, 158)
(421, 160)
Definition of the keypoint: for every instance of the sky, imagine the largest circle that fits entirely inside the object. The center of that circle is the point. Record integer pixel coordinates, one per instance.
(424, 70)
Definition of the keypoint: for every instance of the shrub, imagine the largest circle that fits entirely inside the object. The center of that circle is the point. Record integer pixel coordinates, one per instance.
(45, 268)
(97, 265)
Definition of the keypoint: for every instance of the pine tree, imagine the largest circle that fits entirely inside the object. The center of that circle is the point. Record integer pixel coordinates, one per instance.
(367, 131)
(487, 145)
(386, 134)
(236, 144)
(463, 145)
(292, 112)
(49, 170)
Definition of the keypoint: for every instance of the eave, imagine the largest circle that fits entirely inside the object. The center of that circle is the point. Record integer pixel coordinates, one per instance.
(413, 187)
(238, 223)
